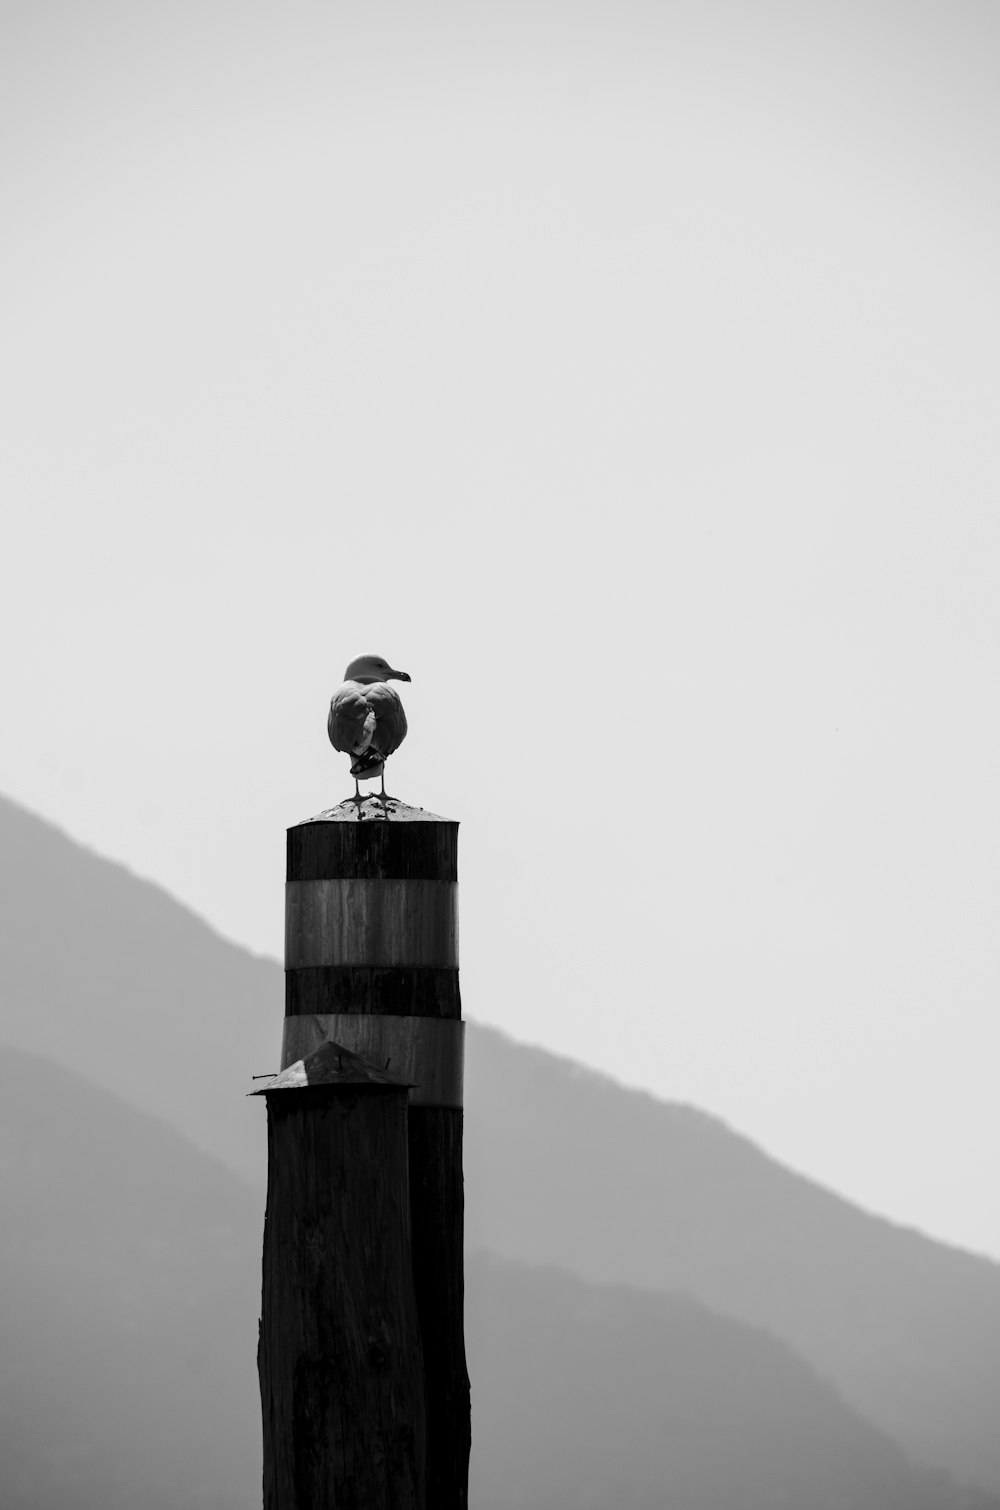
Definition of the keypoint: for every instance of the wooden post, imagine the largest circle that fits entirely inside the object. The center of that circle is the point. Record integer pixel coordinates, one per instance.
(339, 1358)
(371, 961)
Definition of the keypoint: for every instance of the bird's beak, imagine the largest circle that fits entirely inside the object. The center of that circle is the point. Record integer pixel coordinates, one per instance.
(399, 676)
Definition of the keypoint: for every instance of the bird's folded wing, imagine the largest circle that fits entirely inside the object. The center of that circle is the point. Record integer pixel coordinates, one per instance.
(349, 713)
(390, 720)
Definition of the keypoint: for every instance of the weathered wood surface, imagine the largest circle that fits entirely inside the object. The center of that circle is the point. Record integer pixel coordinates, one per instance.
(365, 922)
(385, 990)
(409, 845)
(339, 1357)
(437, 1206)
(368, 861)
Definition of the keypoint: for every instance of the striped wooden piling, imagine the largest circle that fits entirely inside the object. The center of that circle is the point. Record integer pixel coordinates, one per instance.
(371, 961)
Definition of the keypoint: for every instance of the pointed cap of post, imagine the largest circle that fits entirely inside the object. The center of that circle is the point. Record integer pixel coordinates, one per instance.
(377, 810)
(331, 1065)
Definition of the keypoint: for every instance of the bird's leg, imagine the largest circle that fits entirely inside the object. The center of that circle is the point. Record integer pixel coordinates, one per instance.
(357, 792)
(384, 803)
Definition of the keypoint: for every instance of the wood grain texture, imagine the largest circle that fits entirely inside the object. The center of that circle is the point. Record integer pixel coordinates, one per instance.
(394, 850)
(365, 922)
(385, 990)
(396, 867)
(339, 1355)
(437, 1205)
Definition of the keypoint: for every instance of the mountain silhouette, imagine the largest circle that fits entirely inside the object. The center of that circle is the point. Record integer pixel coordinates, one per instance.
(128, 1304)
(610, 1396)
(129, 1292)
(621, 1187)
(105, 974)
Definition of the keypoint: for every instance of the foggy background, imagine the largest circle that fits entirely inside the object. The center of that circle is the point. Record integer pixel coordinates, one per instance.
(627, 373)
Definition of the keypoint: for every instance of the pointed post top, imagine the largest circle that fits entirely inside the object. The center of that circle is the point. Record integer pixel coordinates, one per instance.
(331, 1065)
(375, 810)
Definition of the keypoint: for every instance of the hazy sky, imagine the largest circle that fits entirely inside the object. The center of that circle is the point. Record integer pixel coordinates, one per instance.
(627, 373)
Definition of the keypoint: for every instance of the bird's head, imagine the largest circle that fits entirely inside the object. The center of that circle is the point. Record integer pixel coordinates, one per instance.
(372, 668)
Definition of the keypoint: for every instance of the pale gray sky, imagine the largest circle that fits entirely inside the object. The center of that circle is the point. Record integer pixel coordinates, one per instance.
(628, 374)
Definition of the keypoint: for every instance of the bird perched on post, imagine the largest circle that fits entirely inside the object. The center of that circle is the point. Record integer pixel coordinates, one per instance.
(366, 717)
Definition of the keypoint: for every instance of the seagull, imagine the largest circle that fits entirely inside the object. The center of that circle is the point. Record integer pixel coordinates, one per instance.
(366, 717)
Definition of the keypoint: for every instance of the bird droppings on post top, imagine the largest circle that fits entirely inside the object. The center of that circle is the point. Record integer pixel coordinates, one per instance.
(373, 809)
